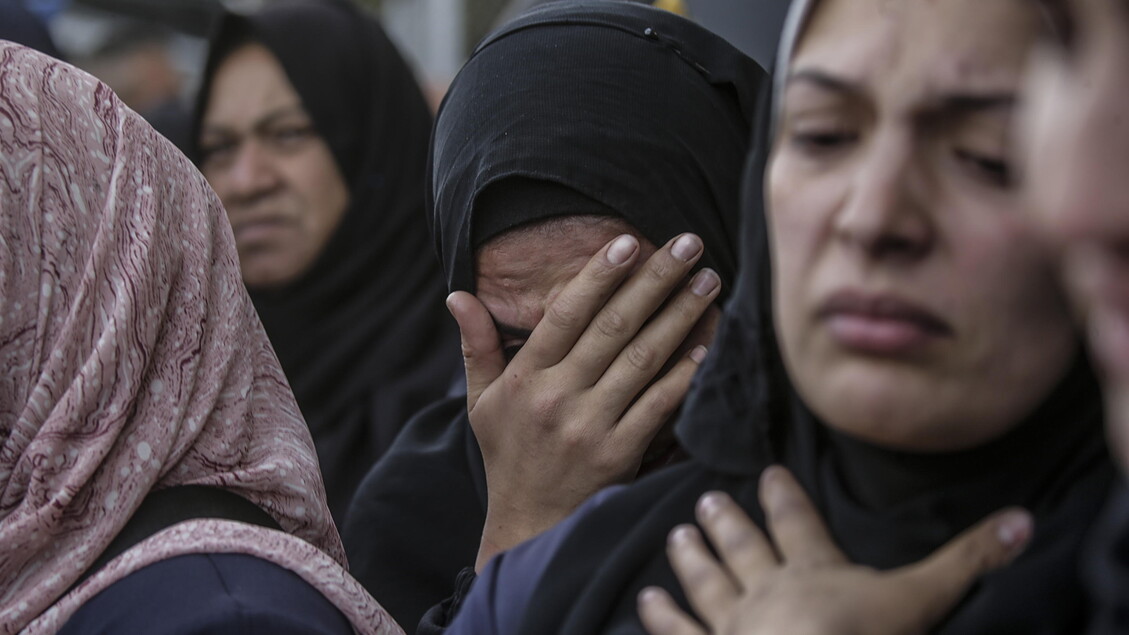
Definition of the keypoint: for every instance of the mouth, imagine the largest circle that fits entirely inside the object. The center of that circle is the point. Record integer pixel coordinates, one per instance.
(258, 229)
(879, 324)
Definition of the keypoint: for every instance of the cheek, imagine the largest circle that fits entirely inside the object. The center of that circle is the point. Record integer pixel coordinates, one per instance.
(799, 217)
(325, 197)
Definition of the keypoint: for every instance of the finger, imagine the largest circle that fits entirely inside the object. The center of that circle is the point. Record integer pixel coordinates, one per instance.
(795, 524)
(654, 408)
(570, 313)
(644, 356)
(708, 585)
(661, 615)
(634, 303)
(932, 587)
(741, 544)
(483, 356)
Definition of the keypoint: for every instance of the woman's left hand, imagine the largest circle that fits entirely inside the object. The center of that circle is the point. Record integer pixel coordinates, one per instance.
(801, 583)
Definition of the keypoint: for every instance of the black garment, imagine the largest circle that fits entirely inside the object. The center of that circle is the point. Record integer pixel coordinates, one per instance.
(884, 508)
(609, 108)
(418, 515)
(219, 594)
(1106, 567)
(633, 107)
(363, 335)
(18, 24)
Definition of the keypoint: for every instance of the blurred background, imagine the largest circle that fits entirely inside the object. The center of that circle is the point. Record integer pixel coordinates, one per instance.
(151, 51)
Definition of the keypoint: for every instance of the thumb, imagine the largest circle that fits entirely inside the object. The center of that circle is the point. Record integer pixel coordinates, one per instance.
(942, 579)
(482, 348)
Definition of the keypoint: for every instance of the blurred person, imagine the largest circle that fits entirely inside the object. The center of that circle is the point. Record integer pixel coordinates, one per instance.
(18, 24)
(1075, 158)
(136, 62)
(314, 134)
(908, 355)
(1073, 149)
(156, 473)
(579, 144)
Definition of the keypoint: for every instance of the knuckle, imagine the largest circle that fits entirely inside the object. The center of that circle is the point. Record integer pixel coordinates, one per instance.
(611, 324)
(641, 357)
(660, 270)
(545, 405)
(563, 314)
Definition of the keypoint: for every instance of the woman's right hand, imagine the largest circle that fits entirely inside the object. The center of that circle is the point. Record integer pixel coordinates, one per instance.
(577, 407)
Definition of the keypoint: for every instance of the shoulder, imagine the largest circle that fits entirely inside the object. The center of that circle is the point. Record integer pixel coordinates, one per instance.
(209, 593)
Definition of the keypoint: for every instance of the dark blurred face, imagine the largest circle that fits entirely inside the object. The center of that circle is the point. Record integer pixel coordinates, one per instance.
(1077, 175)
(274, 173)
(915, 307)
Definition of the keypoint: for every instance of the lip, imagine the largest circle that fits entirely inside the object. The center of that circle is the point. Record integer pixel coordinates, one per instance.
(881, 324)
(259, 228)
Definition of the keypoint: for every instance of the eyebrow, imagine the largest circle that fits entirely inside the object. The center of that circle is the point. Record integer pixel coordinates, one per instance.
(263, 122)
(957, 102)
(823, 80)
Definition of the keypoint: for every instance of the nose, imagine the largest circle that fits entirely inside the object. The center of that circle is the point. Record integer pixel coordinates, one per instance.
(252, 173)
(883, 213)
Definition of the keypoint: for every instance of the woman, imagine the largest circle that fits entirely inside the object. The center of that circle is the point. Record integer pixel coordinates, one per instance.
(141, 390)
(314, 134)
(907, 355)
(1077, 94)
(526, 189)
(1074, 111)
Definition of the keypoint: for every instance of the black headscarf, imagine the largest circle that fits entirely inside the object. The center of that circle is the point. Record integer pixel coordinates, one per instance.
(362, 335)
(573, 109)
(885, 508)
(543, 101)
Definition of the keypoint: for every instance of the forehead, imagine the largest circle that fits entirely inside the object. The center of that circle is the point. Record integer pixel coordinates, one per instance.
(543, 252)
(248, 84)
(919, 48)
(517, 272)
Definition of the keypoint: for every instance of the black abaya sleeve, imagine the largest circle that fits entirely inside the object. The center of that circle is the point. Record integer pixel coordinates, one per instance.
(417, 517)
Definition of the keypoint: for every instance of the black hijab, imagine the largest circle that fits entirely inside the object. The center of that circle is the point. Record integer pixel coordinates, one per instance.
(572, 109)
(551, 116)
(884, 508)
(362, 335)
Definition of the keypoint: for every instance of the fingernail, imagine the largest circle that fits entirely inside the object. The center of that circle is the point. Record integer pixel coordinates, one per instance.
(705, 282)
(622, 249)
(709, 505)
(681, 535)
(686, 247)
(1014, 529)
(648, 595)
(770, 485)
(699, 354)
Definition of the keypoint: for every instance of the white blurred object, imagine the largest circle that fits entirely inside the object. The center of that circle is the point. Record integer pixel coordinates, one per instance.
(432, 36)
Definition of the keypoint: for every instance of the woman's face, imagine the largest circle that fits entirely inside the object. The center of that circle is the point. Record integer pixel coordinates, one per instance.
(915, 307)
(1076, 160)
(276, 176)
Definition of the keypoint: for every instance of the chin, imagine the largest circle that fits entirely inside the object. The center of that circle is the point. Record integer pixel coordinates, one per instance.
(896, 408)
(266, 277)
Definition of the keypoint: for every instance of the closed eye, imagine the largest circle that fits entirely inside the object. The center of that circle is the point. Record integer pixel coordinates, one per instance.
(995, 170)
(822, 141)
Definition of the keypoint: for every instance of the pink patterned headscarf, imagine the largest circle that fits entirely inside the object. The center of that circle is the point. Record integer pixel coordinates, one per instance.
(132, 360)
